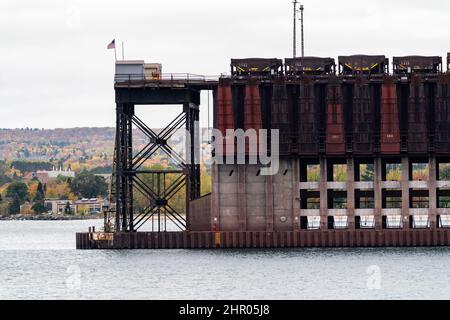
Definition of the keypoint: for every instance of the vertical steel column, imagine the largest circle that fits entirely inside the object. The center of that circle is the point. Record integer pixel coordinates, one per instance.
(323, 185)
(405, 192)
(432, 197)
(350, 193)
(295, 163)
(377, 193)
(193, 156)
(118, 172)
(269, 203)
(124, 156)
(215, 204)
(189, 161)
(129, 165)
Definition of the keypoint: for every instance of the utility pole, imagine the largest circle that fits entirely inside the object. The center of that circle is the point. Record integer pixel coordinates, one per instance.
(294, 45)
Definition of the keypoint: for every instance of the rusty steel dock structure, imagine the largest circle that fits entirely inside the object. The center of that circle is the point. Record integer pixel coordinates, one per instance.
(364, 156)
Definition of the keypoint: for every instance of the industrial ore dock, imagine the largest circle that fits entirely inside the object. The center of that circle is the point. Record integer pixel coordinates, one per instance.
(363, 156)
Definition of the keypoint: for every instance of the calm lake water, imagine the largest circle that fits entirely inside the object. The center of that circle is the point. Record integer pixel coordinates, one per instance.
(38, 260)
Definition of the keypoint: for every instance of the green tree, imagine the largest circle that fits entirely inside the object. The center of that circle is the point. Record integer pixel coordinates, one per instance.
(14, 206)
(38, 205)
(39, 208)
(87, 185)
(31, 166)
(444, 171)
(3, 177)
(366, 172)
(19, 189)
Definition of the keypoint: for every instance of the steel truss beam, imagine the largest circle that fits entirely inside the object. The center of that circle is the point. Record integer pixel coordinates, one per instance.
(129, 174)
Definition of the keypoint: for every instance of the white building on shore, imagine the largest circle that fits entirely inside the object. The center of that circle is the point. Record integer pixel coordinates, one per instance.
(44, 175)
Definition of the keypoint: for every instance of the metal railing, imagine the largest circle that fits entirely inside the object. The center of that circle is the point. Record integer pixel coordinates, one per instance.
(173, 77)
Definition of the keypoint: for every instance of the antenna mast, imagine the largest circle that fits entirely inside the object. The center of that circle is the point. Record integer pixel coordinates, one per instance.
(301, 21)
(294, 45)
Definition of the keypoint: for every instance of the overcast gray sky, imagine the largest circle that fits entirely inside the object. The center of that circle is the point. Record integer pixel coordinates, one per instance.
(57, 72)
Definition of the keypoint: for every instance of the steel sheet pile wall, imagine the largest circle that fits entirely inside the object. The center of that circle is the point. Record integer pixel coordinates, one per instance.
(390, 130)
(267, 239)
(363, 116)
(417, 118)
(335, 138)
(442, 115)
(308, 116)
(281, 117)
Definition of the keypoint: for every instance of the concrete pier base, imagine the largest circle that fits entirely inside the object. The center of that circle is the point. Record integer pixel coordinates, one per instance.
(262, 239)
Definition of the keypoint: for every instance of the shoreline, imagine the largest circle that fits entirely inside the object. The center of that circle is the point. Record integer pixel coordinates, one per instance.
(47, 218)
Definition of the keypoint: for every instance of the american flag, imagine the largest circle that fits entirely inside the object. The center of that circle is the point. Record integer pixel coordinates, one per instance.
(112, 45)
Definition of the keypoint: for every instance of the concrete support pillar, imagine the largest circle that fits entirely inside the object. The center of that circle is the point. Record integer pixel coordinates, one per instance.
(351, 193)
(432, 194)
(269, 203)
(242, 195)
(323, 194)
(377, 193)
(405, 192)
(295, 163)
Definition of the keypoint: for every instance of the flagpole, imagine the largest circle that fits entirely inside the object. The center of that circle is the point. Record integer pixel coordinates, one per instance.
(122, 52)
(115, 53)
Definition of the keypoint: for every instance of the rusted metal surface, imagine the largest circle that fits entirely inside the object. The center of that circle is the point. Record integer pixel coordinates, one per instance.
(263, 239)
(417, 118)
(294, 67)
(363, 117)
(390, 130)
(252, 113)
(363, 64)
(308, 116)
(417, 64)
(281, 117)
(442, 115)
(335, 137)
(224, 116)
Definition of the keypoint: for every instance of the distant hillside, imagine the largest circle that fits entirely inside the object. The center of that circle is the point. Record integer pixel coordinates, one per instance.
(56, 144)
(25, 151)
(78, 147)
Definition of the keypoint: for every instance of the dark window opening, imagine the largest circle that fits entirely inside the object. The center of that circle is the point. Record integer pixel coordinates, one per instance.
(391, 198)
